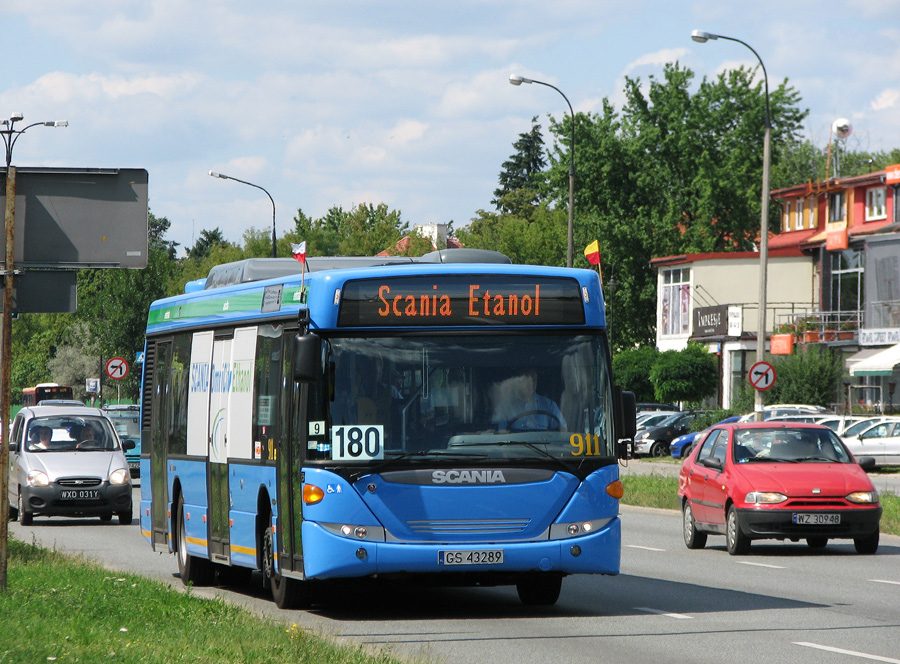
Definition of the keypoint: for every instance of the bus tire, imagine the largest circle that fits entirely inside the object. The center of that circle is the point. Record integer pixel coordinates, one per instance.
(539, 589)
(193, 570)
(288, 593)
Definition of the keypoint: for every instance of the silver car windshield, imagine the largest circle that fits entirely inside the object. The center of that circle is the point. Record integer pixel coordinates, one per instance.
(68, 433)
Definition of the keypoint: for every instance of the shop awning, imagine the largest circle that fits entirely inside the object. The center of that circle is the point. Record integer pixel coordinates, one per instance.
(881, 363)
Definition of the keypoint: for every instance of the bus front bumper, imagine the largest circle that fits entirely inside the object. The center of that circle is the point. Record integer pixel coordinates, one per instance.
(330, 556)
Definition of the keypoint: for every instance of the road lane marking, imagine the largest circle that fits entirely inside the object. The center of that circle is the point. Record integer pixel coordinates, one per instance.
(853, 653)
(645, 548)
(679, 616)
(741, 562)
(895, 583)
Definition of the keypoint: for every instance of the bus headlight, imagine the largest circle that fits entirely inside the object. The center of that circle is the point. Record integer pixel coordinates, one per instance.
(576, 528)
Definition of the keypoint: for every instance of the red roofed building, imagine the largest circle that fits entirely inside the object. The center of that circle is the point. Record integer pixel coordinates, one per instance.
(833, 278)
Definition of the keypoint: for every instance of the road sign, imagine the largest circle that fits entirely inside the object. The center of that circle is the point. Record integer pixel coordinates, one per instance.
(116, 368)
(762, 376)
(79, 218)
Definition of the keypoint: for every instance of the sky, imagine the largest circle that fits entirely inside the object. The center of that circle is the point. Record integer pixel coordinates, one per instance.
(402, 102)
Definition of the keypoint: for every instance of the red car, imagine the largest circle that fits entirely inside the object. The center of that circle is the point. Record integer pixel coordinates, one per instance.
(762, 480)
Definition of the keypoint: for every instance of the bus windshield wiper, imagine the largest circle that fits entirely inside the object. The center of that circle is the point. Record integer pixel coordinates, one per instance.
(534, 446)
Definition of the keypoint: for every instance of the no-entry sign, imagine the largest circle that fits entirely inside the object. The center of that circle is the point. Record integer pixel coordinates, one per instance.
(762, 376)
(116, 368)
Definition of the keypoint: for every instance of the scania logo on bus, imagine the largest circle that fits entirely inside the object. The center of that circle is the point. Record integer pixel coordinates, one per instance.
(468, 477)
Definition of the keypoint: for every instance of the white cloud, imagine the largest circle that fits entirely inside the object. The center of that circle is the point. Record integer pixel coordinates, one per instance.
(886, 99)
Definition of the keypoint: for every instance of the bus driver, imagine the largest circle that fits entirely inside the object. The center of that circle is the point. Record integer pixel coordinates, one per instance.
(518, 406)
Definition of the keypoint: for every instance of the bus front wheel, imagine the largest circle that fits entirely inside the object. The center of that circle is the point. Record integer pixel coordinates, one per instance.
(288, 593)
(539, 589)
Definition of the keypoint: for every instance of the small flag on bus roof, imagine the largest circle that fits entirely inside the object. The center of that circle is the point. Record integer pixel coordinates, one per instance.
(299, 251)
(592, 253)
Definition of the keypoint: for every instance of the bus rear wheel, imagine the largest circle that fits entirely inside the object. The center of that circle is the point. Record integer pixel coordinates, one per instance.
(193, 570)
(539, 589)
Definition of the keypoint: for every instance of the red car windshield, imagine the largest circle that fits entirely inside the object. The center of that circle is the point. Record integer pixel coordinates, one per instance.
(784, 444)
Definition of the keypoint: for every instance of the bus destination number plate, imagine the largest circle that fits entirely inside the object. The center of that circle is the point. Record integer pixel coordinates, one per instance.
(479, 557)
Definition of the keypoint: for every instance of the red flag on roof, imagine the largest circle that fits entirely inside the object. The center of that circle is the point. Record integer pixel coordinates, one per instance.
(299, 251)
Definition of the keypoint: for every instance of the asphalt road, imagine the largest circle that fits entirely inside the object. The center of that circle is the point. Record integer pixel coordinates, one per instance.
(782, 603)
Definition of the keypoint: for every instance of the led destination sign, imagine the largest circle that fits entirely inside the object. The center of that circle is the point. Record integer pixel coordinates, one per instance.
(482, 299)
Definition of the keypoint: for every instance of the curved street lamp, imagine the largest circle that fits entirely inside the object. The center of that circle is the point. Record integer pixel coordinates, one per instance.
(10, 136)
(222, 176)
(514, 79)
(702, 37)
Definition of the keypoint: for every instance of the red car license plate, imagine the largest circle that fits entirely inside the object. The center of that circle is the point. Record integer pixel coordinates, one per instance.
(816, 519)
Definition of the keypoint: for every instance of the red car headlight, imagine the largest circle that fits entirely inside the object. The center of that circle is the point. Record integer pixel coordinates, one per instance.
(863, 497)
(764, 498)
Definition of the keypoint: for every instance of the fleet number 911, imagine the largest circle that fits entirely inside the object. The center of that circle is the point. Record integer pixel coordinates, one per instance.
(586, 445)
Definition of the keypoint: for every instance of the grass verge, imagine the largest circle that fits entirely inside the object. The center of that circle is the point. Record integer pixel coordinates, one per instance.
(62, 609)
(656, 490)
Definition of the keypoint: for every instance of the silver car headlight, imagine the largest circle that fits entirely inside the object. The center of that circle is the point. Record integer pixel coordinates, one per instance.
(38, 478)
(119, 476)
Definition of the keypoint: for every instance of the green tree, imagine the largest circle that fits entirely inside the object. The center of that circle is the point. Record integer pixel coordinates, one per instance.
(674, 172)
(522, 177)
(688, 375)
(365, 230)
(205, 243)
(631, 370)
(812, 377)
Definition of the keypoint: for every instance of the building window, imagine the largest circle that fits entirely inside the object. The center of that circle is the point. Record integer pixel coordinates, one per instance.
(836, 206)
(787, 215)
(876, 203)
(676, 302)
(799, 223)
(847, 280)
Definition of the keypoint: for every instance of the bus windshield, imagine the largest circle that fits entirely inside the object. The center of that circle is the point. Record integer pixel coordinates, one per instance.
(470, 397)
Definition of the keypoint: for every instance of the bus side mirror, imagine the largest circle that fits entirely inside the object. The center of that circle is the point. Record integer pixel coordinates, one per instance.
(625, 414)
(307, 357)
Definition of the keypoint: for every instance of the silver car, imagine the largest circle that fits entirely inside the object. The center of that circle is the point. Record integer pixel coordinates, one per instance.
(67, 461)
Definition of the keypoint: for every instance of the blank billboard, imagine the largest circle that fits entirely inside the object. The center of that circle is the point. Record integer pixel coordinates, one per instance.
(79, 218)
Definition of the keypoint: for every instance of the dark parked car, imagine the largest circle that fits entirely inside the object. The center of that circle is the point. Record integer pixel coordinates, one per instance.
(654, 441)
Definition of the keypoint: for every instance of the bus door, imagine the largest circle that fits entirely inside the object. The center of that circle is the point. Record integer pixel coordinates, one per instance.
(157, 365)
(290, 459)
(217, 468)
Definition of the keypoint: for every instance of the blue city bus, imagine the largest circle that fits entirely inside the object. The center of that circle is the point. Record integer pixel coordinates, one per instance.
(450, 419)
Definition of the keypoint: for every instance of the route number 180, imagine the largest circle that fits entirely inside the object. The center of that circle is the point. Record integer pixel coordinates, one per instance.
(357, 442)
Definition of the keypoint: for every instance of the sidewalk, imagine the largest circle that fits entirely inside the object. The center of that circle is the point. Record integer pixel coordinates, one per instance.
(884, 482)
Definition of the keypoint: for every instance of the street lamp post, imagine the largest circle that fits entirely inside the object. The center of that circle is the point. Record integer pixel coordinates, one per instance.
(518, 80)
(222, 176)
(10, 136)
(702, 37)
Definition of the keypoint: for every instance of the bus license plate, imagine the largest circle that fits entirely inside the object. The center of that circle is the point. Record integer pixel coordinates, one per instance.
(817, 519)
(479, 557)
(79, 494)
